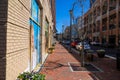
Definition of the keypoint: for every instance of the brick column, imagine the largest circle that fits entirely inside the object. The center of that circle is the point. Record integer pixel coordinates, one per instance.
(3, 30)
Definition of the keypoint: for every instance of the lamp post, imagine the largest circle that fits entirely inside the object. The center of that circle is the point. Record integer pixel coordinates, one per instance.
(71, 14)
(62, 32)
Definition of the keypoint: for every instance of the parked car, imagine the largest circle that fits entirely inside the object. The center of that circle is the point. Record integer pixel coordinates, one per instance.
(95, 43)
(67, 42)
(85, 44)
(108, 45)
(74, 43)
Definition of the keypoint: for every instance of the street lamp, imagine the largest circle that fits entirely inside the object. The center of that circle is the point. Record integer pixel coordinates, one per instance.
(62, 32)
(71, 14)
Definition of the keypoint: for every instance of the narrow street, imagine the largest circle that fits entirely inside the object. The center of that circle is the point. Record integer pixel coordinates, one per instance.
(57, 67)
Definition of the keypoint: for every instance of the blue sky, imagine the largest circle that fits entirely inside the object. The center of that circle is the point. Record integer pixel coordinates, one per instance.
(62, 12)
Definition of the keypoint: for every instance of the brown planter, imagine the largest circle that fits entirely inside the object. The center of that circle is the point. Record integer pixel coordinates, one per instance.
(101, 53)
(50, 50)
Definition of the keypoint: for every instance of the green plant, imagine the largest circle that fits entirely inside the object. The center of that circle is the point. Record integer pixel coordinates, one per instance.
(24, 76)
(31, 76)
(38, 77)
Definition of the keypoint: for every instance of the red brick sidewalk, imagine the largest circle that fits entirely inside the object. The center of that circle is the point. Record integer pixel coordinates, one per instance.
(56, 67)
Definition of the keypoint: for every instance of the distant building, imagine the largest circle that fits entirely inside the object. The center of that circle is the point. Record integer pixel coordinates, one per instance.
(92, 2)
(74, 32)
(102, 22)
(80, 25)
(59, 37)
(67, 33)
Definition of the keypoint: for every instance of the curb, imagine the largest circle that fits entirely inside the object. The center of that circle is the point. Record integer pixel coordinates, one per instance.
(110, 57)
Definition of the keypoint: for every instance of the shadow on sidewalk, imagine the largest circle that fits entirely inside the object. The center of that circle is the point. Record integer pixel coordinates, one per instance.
(52, 65)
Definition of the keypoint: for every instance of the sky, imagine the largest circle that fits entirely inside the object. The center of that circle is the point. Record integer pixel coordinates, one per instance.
(62, 12)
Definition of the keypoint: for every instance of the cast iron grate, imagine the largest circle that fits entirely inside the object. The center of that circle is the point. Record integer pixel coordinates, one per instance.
(87, 67)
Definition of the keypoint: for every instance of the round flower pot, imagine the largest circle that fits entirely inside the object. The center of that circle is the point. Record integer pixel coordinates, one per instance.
(101, 53)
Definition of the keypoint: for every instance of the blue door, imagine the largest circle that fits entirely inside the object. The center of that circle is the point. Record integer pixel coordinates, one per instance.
(36, 53)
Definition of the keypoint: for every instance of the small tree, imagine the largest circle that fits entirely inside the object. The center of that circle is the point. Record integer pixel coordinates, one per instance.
(81, 4)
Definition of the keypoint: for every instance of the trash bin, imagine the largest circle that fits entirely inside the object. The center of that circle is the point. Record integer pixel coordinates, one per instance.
(118, 60)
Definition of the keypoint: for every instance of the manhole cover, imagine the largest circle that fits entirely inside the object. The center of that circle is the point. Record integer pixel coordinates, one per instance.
(87, 67)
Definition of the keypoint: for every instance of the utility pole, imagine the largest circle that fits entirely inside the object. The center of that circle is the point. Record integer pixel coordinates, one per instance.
(71, 14)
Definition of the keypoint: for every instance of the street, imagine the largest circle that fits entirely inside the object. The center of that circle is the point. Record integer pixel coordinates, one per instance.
(110, 52)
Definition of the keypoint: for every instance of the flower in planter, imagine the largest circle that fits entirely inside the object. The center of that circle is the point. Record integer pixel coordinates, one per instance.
(101, 53)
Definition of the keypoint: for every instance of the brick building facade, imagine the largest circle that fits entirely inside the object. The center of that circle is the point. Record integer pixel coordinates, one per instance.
(18, 27)
(102, 22)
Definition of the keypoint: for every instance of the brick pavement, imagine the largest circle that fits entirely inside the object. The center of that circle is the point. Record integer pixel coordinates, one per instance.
(56, 67)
